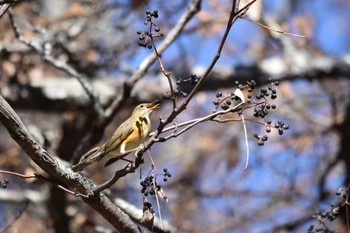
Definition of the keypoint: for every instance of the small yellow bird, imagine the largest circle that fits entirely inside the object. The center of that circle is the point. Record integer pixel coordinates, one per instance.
(128, 137)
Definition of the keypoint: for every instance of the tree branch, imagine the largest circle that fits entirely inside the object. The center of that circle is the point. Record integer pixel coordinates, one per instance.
(57, 170)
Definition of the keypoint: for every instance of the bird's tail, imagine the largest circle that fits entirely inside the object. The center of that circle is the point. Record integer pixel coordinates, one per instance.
(88, 158)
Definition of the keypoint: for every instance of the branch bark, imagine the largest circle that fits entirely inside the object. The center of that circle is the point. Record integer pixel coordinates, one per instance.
(59, 171)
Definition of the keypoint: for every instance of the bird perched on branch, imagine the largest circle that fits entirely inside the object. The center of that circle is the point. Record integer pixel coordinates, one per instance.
(127, 138)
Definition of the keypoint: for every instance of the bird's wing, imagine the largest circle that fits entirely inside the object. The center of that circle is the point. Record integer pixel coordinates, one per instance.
(98, 153)
(114, 142)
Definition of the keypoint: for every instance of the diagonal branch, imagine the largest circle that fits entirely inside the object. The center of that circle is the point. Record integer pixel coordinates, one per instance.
(61, 173)
(58, 64)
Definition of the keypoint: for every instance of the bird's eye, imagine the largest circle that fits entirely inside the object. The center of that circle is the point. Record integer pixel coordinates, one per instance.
(141, 106)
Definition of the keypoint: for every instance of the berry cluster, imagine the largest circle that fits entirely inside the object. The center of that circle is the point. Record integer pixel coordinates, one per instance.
(3, 183)
(150, 185)
(329, 215)
(259, 102)
(146, 37)
(261, 110)
(280, 126)
(270, 91)
(192, 80)
(225, 101)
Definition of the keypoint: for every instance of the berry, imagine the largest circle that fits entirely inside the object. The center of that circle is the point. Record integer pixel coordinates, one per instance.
(260, 143)
(224, 106)
(285, 127)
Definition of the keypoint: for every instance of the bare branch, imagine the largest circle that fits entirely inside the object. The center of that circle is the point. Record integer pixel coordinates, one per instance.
(57, 170)
(58, 64)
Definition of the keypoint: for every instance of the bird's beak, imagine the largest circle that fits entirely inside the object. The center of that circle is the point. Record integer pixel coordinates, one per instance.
(155, 104)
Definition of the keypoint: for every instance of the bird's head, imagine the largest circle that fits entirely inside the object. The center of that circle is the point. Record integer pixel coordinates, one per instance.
(145, 109)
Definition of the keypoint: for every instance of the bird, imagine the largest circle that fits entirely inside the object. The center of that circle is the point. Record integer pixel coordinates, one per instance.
(127, 138)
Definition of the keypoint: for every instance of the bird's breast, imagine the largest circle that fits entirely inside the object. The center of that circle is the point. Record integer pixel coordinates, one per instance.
(142, 127)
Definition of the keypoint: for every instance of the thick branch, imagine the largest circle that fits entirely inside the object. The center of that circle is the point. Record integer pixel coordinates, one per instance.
(60, 172)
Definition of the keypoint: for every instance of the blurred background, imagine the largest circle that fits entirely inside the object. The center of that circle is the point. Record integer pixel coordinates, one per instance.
(288, 180)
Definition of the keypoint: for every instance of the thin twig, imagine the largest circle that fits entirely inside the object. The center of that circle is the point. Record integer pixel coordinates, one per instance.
(38, 176)
(18, 174)
(271, 29)
(130, 168)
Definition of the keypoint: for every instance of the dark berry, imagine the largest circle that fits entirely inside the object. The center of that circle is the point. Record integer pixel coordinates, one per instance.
(280, 131)
(219, 94)
(224, 106)
(285, 127)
